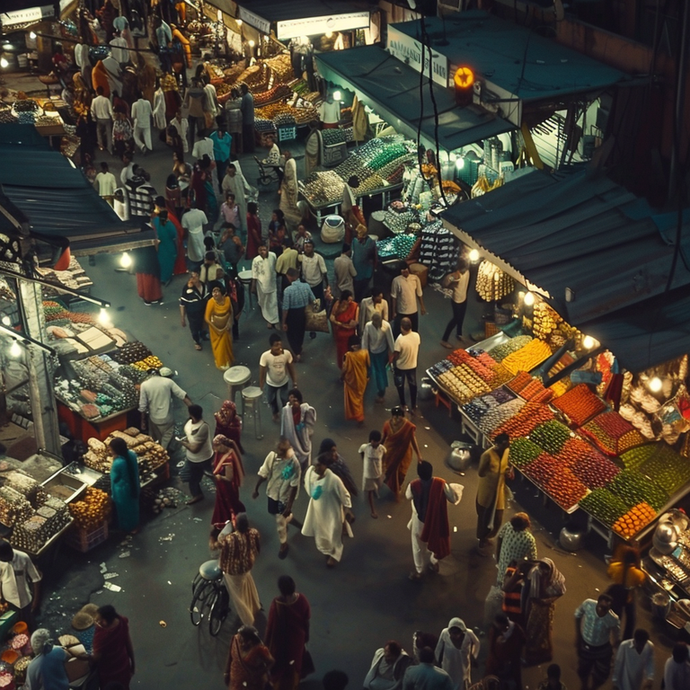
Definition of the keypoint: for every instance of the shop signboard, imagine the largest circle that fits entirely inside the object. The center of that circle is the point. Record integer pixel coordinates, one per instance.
(263, 25)
(409, 50)
(26, 16)
(311, 26)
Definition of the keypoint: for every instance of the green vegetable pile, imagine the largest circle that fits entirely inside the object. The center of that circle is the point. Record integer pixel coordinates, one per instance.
(550, 436)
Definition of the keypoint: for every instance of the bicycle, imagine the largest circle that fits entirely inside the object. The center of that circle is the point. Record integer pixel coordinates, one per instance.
(210, 598)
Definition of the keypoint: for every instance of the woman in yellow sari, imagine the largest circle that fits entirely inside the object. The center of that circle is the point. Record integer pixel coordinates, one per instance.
(355, 376)
(219, 319)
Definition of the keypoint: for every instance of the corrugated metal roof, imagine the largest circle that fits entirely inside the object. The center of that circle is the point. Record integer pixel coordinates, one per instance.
(392, 89)
(514, 57)
(281, 10)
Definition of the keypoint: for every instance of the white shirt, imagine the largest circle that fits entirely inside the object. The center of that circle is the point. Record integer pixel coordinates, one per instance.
(313, 268)
(276, 367)
(15, 578)
(203, 147)
(372, 460)
(408, 347)
(127, 173)
(631, 669)
(279, 479)
(405, 291)
(378, 340)
(107, 184)
(198, 432)
(119, 49)
(264, 271)
(459, 287)
(676, 676)
(457, 662)
(155, 397)
(101, 108)
(141, 113)
(329, 112)
(193, 222)
(367, 308)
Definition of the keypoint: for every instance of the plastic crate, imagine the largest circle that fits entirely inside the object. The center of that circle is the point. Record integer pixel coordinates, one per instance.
(84, 540)
(287, 133)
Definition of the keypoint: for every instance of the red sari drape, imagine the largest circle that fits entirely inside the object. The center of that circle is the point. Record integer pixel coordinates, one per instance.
(228, 504)
(110, 644)
(342, 335)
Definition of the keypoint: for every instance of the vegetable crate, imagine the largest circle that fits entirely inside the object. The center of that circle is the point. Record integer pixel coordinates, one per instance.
(84, 540)
(287, 133)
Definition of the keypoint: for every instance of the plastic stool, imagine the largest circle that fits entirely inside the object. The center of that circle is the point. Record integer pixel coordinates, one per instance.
(251, 402)
(237, 379)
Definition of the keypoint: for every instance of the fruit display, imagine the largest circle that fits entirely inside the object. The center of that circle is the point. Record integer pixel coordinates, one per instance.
(398, 246)
(130, 352)
(323, 187)
(667, 468)
(462, 384)
(461, 356)
(500, 352)
(545, 320)
(579, 404)
(150, 362)
(550, 436)
(499, 415)
(523, 452)
(150, 455)
(604, 506)
(529, 388)
(592, 468)
(564, 488)
(636, 519)
(632, 488)
(492, 283)
(92, 510)
(634, 458)
(612, 434)
(522, 424)
(527, 357)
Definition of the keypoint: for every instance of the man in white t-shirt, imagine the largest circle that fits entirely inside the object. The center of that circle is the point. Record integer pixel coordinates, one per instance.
(406, 289)
(198, 445)
(106, 183)
(20, 582)
(314, 270)
(275, 371)
(193, 222)
(405, 362)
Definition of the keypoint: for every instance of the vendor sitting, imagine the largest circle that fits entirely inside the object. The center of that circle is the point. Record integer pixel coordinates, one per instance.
(274, 159)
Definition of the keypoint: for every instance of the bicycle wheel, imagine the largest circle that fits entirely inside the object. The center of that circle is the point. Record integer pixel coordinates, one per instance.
(196, 582)
(196, 608)
(219, 611)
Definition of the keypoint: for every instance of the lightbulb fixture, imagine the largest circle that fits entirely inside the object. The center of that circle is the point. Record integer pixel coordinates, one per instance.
(32, 35)
(103, 317)
(6, 320)
(460, 163)
(464, 78)
(238, 22)
(4, 63)
(251, 44)
(126, 260)
(588, 342)
(15, 349)
(337, 96)
(529, 299)
(655, 384)
(329, 34)
(474, 255)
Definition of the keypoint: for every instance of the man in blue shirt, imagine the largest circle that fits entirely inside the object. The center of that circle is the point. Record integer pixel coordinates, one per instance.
(222, 142)
(296, 297)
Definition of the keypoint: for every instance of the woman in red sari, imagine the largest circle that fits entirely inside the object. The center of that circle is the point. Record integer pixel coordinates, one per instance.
(228, 423)
(112, 648)
(254, 239)
(248, 661)
(287, 634)
(228, 473)
(344, 317)
(399, 439)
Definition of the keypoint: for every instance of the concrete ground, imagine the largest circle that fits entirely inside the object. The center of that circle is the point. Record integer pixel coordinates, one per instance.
(363, 602)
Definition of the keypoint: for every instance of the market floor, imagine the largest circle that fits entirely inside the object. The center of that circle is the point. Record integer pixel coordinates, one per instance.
(356, 607)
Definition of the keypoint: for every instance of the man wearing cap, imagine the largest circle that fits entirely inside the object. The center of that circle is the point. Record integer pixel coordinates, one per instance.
(17, 572)
(156, 406)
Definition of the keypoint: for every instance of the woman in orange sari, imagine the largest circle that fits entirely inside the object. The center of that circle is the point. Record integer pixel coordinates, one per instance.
(344, 317)
(249, 661)
(399, 439)
(355, 376)
(219, 319)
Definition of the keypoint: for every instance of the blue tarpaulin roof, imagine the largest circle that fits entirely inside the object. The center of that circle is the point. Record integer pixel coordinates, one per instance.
(56, 197)
(595, 238)
(514, 57)
(392, 89)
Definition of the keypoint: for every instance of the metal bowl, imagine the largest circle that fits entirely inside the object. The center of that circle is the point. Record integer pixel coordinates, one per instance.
(571, 539)
(426, 389)
(460, 457)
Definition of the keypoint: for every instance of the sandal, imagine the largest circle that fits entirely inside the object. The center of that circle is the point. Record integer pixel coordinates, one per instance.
(197, 346)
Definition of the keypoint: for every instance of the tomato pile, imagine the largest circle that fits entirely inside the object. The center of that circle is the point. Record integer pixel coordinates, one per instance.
(565, 488)
(579, 403)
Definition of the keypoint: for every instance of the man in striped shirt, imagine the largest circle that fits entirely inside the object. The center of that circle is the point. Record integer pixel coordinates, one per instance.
(295, 298)
(141, 194)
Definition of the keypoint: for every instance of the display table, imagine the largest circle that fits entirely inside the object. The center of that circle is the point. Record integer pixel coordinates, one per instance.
(100, 428)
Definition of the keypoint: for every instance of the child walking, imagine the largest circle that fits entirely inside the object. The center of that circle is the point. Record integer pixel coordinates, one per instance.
(372, 464)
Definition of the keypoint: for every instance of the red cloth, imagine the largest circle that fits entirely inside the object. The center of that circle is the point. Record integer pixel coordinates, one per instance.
(149, 287)
(342, 335)
(436, 532)
(253, 236)
(228, 504)
(180, 266)
(286, 635)
(110, 644)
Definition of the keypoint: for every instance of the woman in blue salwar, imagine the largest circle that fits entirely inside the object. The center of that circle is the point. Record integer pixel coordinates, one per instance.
(124, 485)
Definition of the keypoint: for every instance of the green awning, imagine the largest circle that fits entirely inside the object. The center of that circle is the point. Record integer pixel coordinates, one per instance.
(392, 89)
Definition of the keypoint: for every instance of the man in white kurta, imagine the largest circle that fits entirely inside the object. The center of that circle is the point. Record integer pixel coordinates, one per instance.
(634, 665)
(235, 183)
(457, 646)
(299, 433)
(328, 504)
(265, 285)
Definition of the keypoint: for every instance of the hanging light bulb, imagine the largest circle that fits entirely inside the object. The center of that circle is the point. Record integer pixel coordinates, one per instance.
(474, 255)
(126, 260)
(337, 96)
(6, 320)
(15, 349)
(32, 35)
(655, 384)
(251, 44)
(529, 299)
(460, 163)
(588, 342)
(329, 34)
(4, 63)
(103, 317)
(238, 22)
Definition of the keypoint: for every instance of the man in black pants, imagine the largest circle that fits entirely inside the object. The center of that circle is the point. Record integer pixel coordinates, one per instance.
(296, 297)
(405, 357)
(193, 305)
(247, 108)
(457, 282)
